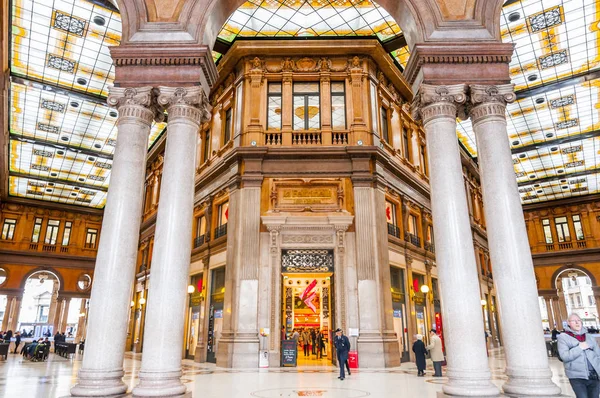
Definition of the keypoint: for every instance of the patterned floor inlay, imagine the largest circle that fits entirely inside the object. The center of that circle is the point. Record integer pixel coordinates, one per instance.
(310, 392)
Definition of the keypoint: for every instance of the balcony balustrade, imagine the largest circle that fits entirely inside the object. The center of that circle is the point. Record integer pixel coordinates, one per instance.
(221, 231)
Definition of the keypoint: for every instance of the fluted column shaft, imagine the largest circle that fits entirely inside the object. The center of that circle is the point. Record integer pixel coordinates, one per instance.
(64, 315)
(468, 369)
(548, 301)
(509, 247)
(161, 360)
(102, 369)
(16, 312)
(7, 312)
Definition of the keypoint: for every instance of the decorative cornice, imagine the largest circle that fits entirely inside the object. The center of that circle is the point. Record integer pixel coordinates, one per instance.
(490, 101)
(189, 103)
(138, 104)
(432, 102)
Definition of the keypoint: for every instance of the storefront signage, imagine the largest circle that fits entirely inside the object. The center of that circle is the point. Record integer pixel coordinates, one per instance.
(289, 353)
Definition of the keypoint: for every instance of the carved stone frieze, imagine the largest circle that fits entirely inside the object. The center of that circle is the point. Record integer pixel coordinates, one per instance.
(318, 239)
(432, 102)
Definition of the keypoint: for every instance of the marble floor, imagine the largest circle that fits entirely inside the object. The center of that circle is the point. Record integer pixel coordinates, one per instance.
(22, 378)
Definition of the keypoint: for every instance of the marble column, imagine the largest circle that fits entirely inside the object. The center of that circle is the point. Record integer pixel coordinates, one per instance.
(509, 247)
(53, 310)
(81, 321)
(102, 369)
(548, 301)
(64, 315)
(7, 312)
(468, 371)
(165, 312)
(13, 322)
(377, 344)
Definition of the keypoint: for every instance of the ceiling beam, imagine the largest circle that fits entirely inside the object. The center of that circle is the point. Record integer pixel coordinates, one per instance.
(394, 43)
(560, 83)
(84, 151)
(560, 177)
(558, 141)
(58, 181)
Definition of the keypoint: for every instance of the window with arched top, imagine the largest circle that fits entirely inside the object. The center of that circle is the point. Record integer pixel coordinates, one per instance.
(84, 282)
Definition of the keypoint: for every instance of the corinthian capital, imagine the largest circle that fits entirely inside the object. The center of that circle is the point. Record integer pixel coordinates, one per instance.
(439, 101)
(185, 102)
(490, 101)
(135, 103)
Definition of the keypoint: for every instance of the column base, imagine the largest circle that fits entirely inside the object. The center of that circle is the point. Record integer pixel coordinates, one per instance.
(160, 384)
(530, 383)
(469, 383)
(200, 353)
(375, 351)
(240, 351)
(99, 383)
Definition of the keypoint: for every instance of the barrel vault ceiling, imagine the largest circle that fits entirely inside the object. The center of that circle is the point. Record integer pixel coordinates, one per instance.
(62, 134)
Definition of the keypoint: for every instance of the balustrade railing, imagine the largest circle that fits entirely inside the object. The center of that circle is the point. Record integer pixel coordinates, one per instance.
(339, 138)
(430, 247)
(273, 138)
(199, 240)
(221, 231)
(393, 230)
(306, 138)
(414, 239)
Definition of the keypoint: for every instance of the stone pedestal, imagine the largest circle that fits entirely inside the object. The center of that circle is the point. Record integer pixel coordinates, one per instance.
(165, 312)
(509, 248)
(102, 369)
(464, 337)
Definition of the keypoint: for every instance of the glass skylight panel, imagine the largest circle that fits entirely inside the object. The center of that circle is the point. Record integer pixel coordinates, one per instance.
(304, 18)
(34, 188)
(401, 55)
(553, 39)
(65, 42)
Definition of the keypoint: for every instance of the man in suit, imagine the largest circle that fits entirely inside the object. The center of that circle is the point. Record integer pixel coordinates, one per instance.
(342, 347)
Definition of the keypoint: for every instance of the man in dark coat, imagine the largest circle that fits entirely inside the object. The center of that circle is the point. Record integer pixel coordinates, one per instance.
(420, 352)
(342, 347)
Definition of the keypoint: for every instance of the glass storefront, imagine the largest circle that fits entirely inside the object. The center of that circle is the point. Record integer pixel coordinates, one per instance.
(399, 307)
(215, 313)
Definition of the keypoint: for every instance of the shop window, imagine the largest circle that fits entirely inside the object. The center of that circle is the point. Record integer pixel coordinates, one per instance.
(338, 105)
(37, 229)
(228, 126)
(307, 106)
(91, 237)
(578, 227)
(562, 229)
(67, 233)
(547, 231)
(52, 232)
(385, 131)
(397, 280)
(274, 106)
(8, 228)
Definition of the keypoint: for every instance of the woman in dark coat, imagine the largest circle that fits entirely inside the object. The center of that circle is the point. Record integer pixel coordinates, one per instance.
(420, 351)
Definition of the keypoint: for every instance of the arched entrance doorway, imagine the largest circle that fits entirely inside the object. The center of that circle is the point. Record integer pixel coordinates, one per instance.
(38, 306)
(574, 286)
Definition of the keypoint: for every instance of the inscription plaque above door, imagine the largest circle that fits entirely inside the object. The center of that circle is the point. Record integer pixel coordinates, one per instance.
(315, 195)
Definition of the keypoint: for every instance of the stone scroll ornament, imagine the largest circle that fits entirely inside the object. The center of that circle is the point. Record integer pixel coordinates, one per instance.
(490, 100)
(190, 102)
(432, 101)
(139, 102)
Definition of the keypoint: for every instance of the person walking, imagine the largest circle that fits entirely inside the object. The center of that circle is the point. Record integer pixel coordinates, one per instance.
(420, 352)
(17, 341)
(320, 344)
(437, 355)
(305, 341)
(313, 341)
(580, 355)
(342, 347)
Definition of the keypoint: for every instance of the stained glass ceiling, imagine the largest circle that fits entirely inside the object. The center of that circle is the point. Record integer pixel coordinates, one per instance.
(315, 18)
(554, 126)
(62, 134)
